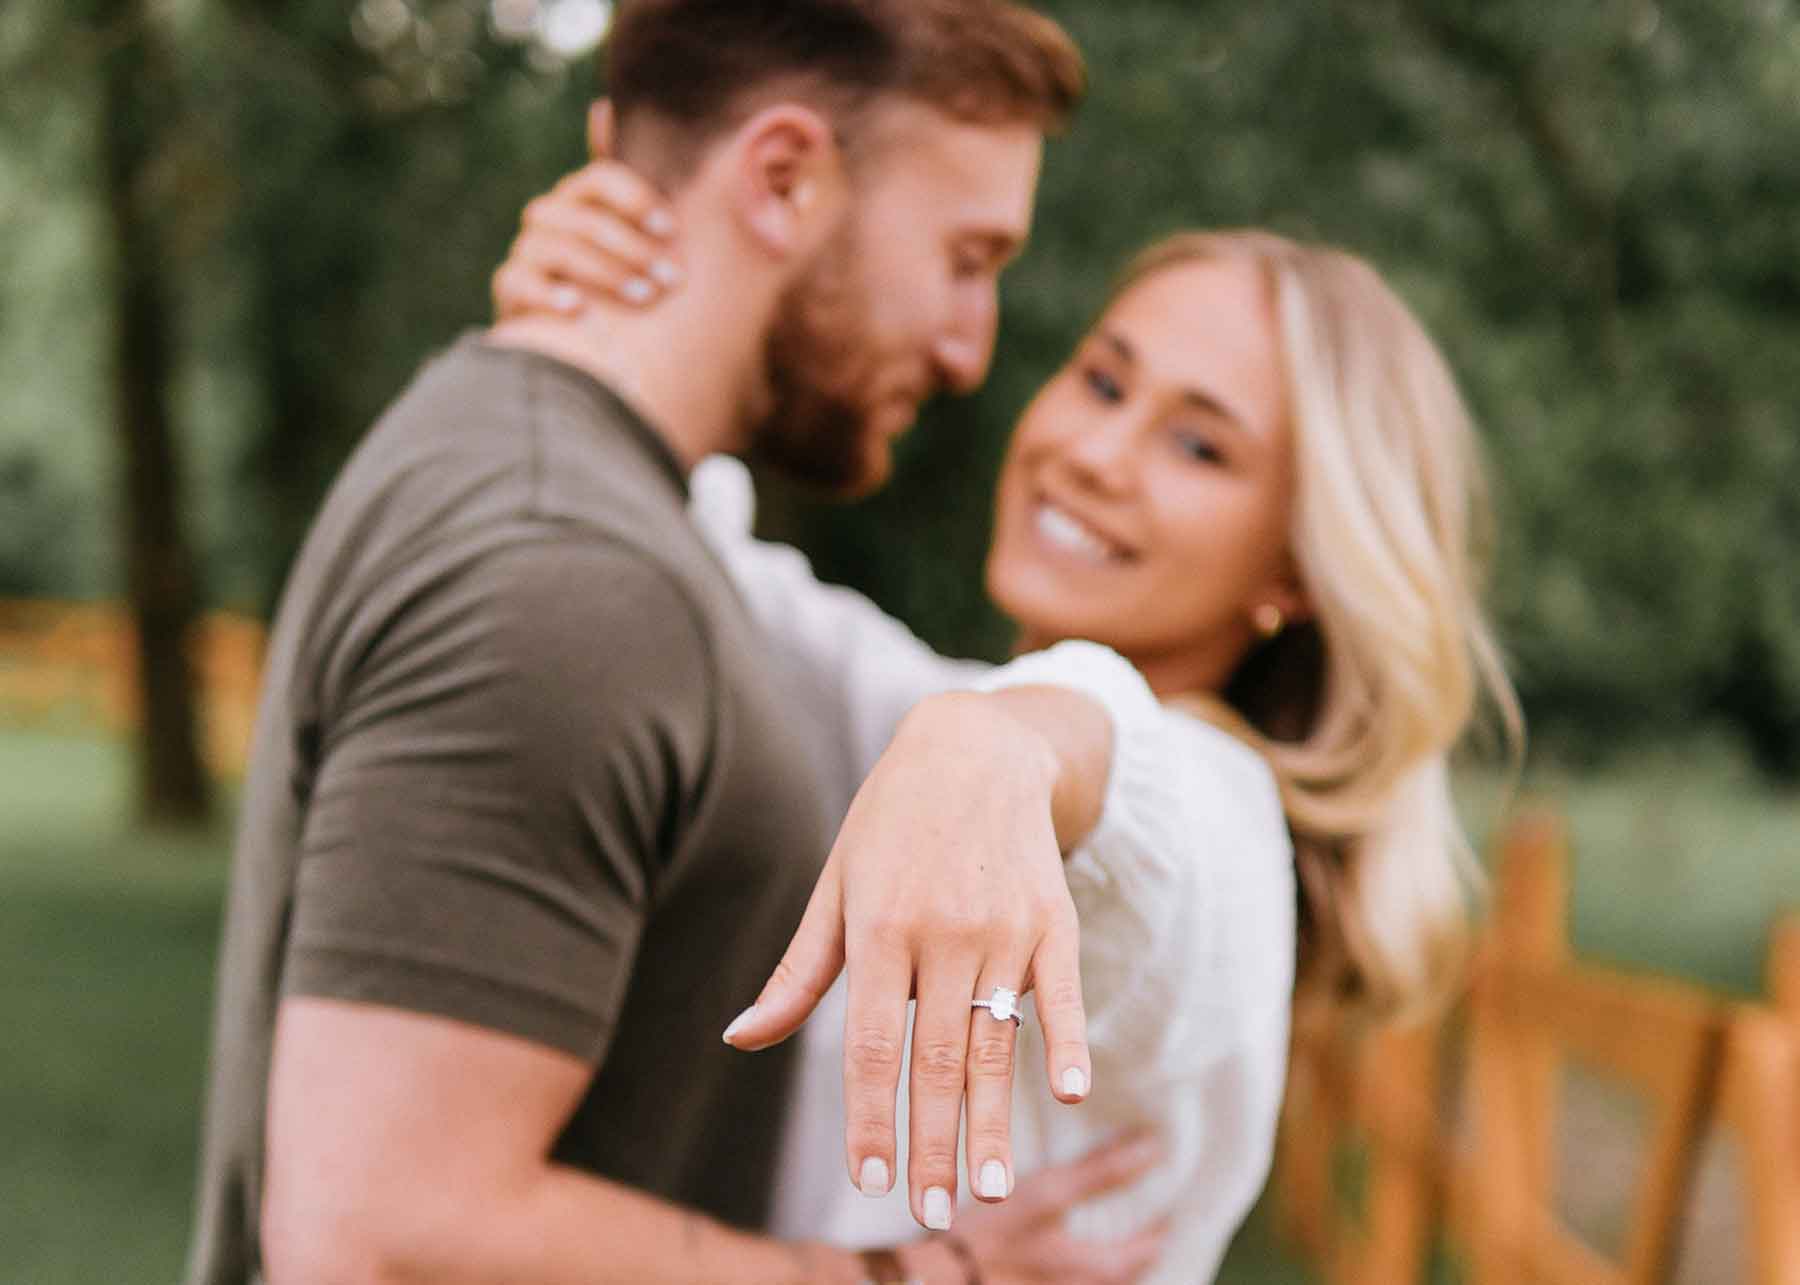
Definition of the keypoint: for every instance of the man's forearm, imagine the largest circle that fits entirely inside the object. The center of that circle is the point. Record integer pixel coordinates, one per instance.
(563, 1227)
(409, 1148)
(579, 1229)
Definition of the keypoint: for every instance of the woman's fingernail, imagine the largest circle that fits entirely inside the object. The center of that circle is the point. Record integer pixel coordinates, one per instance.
(937, 1209)
(993, 1180)
(565, 299)
(660, 223)
(1074, 1083)
(638, 290)
(873, 1181)
(666, 271)
(739, 1022)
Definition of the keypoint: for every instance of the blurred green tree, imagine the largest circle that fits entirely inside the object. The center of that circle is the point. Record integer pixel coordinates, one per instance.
(1595, 207)
(115, 53)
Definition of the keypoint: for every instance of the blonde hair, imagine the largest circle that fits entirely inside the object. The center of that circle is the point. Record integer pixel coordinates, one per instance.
(1358, 708)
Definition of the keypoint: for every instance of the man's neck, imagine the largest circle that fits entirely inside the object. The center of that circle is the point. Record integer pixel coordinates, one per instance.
(690, 365)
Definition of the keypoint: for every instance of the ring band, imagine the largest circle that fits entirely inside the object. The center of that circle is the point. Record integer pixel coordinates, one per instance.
(1002, 1006)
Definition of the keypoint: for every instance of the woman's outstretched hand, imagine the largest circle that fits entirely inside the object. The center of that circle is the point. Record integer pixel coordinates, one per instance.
(604, 233)
(1026, 1240)
(947, 882)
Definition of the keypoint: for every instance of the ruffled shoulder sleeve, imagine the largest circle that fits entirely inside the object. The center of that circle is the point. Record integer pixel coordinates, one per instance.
(1185, 887)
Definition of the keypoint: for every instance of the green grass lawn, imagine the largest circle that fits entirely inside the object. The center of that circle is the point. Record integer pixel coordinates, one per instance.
(107, 939)
(106, 950)
(1680, 863)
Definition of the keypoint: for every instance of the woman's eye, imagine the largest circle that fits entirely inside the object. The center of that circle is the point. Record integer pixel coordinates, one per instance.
(1103, 385)
(1196, 445)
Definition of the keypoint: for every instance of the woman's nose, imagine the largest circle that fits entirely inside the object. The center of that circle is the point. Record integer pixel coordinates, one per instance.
(1103, 451)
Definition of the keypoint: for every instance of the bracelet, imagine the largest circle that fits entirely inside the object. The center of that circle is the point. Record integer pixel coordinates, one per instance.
(959, 1249)
(883, 1267)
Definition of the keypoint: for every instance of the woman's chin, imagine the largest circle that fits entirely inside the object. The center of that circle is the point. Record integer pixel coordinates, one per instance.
(1037, 606)
(1036, 631)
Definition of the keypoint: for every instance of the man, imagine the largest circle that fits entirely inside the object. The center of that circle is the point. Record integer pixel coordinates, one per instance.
(528, 813)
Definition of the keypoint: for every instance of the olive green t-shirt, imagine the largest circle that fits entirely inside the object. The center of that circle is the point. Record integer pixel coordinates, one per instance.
(521, 762)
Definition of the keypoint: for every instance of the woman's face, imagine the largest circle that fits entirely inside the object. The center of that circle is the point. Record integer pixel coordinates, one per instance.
(1146, 495)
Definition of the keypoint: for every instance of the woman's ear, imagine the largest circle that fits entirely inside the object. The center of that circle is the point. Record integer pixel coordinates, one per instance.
(788, 182)
(1288, 595)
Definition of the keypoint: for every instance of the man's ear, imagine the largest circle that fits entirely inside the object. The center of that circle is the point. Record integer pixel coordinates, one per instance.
(788, 185)
(600, 129)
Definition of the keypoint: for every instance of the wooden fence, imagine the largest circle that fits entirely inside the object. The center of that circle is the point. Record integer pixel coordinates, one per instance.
(1478, 1163)
(74, 665)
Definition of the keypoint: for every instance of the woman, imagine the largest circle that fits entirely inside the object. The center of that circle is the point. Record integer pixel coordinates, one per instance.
(1256, 483)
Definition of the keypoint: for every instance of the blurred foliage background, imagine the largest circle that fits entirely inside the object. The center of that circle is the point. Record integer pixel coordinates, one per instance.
(1596, 207)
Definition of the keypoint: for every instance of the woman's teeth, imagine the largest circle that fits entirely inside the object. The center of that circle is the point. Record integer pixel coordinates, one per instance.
(1068, 534)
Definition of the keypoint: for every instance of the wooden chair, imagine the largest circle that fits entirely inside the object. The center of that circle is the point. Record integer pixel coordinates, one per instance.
(1382, 1094)
(1531, 1008)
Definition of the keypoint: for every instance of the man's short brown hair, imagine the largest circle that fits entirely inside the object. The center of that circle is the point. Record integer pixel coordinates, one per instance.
(696, 67)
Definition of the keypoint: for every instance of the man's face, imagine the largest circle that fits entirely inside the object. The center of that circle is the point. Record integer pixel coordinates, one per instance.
(904, 300)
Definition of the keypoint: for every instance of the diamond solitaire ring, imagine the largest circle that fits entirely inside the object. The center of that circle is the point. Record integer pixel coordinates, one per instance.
(1002, 1005)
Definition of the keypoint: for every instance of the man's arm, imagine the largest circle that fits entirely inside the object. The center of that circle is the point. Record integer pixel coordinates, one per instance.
(465, 919)
(408, 1148)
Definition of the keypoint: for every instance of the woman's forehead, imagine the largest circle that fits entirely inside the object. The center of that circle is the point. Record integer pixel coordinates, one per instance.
(1204, 326)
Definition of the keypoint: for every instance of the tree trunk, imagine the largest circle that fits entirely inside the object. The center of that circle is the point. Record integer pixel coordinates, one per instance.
(159, 563)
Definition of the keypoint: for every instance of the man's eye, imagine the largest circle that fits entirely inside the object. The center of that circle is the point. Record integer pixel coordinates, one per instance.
(1103, 385)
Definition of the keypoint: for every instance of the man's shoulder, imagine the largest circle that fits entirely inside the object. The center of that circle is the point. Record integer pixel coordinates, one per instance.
(491, 447)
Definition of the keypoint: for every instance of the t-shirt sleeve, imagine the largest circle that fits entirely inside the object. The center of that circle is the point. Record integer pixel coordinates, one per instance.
(498, 780)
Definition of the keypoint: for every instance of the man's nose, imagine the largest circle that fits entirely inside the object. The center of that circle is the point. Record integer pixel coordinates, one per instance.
(965, 348)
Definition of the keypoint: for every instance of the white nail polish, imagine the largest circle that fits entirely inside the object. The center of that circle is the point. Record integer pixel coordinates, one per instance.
(739, 1022)
(937, 1209)
(565, 299)
(638, 290)
(665, 271)
(873, 1181)
(1074, 1083)
(993, 1180)
(660, 223)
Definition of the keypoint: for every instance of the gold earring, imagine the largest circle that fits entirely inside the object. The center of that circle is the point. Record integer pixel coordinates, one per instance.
(1268, 620)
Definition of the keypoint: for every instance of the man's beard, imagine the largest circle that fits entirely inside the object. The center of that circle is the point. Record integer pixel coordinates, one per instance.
(821, 363)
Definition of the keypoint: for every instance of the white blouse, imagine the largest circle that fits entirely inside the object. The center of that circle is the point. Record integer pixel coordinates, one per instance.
(1186, 896)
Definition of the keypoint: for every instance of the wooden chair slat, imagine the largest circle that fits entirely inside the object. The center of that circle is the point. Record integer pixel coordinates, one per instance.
(1651, 1031)
(1759, 1101)
(1554, 1257)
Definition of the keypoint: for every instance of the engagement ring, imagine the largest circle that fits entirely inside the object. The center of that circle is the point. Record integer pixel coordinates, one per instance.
(1002, 1005)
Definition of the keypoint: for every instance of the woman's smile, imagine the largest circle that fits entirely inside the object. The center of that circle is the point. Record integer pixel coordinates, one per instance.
(1065, 533)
